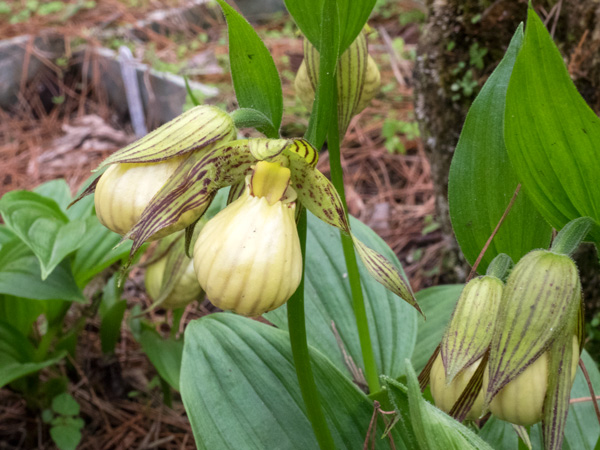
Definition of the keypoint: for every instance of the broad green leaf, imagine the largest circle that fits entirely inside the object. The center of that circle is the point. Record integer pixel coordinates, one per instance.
(23, 312)
(481, 181)
(66, 437)
(392, 322)
(551, 133)
(240, 390)
(499, 434)
(110, 327)
(16, 355)
(433, 429)
(98, 251)
(112, 309)
(5, 234)
(582, 429)
(41, 225)
(20, 276)
(352, 16)
(201, 127)
(59, 191)
(255, 77)
(164, 354)
(437, 304)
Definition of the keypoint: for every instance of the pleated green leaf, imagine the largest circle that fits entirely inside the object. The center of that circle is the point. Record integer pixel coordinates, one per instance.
(255, 77)
(240, 390)
(20, 276)
(98, 251)
(551, 133)
(481, 181)
(392, 323)
(17, 355)
(164, 354)
(499, 434)
(42, 226)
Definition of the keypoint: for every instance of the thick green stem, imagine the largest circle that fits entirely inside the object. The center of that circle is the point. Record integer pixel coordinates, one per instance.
(306, 380)
(358, 302)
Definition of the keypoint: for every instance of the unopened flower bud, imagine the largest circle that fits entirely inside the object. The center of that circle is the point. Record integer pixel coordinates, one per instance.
(247, 258)
(357, 78)
(185, 290)
(464, 343)
(137, 172)
(538, 318)
(124, 191)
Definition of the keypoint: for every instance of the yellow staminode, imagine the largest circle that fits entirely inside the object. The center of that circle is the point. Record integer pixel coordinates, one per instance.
(270, 180)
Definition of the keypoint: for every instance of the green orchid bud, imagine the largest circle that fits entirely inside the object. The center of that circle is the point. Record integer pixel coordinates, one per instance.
(538, 318)
(357, 75)
(464, 343)
(137, 172)
(247, 258)
(181, 287)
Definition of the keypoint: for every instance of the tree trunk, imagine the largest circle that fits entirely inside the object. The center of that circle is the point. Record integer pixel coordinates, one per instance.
(461, 44)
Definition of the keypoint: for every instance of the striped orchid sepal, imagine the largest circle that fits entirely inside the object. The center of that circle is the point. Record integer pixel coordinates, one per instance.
(357, 77)
(469, 333)
(199, 128)
(536, 343)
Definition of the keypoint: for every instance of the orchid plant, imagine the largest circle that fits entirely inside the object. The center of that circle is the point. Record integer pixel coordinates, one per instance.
(257, 228)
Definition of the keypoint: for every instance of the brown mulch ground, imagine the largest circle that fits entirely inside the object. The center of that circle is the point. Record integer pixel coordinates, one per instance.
(391, 192)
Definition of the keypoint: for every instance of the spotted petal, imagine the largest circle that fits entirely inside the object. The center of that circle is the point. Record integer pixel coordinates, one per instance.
(321, 198)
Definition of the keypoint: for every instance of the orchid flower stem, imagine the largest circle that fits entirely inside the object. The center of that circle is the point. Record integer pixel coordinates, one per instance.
(297, 330)
(358, 302)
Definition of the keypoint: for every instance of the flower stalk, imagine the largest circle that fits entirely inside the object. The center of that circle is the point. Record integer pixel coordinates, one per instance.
(297, 330)
(358, 302)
